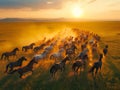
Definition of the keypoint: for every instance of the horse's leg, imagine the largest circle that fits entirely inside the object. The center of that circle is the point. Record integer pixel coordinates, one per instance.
(77, 70)
(21, 76)
(54, 75)
(96, 72)
(25, 49)
(74, 70)
(100, 68)
(51, 75)
(7, 68)
(31, 71)
(11, 69)
(7, 57)
(15, 56)
(80, 69)
(63, 68)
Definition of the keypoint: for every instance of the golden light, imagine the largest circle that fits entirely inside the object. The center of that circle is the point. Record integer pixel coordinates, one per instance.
(77, 11)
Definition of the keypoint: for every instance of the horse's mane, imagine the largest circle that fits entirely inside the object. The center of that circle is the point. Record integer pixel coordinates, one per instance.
(14, 49)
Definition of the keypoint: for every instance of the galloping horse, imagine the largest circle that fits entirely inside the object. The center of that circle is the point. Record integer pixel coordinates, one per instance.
(105, 50)
(11, 65)
(6, 55)
(71, 51)
(41, 56)
(96, 65)
(60, 66)
(83, 55)
(27, 68)
(77, 65)
(57, 55)
(36, 49)
(25, 48)
(49, 48)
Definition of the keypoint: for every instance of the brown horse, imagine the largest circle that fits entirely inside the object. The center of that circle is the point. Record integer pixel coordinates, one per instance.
(60, 66)
(11, 65)
(77, 65)
(96, 66)
(27, 68)
(25, 48)
(36, 49)
(6, 55)
(105, 50)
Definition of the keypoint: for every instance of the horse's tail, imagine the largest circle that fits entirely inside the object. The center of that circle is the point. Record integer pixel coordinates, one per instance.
(91, 69)
(2, 55)
(7, 68)
(12, 72)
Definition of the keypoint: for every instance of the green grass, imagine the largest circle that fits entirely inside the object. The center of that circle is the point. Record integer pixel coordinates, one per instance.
(108, 79)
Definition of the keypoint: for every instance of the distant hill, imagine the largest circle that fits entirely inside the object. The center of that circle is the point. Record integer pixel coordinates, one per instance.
(48, 20)
(37, 20)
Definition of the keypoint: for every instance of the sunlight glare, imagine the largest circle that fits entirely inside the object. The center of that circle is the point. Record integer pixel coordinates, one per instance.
(77, 11)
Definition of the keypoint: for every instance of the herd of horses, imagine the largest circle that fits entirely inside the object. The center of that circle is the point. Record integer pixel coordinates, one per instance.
(75, 49)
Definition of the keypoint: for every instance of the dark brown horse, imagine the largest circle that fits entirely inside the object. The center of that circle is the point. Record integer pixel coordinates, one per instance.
(27, 68)
(60, 66)
(96, 66)
(25, 48)
(105, 50)
(36, 49)
(12, 65)
(6, 55)
(77, 65)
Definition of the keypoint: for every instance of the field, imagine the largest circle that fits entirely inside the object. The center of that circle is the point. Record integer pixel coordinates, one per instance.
(18, 34)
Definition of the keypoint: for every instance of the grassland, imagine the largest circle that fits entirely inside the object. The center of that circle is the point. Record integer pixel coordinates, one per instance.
(19, 34)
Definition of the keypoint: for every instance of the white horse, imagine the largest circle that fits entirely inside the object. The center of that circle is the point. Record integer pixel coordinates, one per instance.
(57, 55)
(41, 56)
(49, 48)
(83, 54)
(91, 41)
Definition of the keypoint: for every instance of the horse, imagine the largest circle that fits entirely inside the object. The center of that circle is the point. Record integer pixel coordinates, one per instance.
(25, 48)
(49, 48)
(97, 37)
(36, 49)
(83, 46)
(57, 55)
(83, 55)
(94, 47)
(41, 56)
(96, 65)
(27, 68)
(105, 50)
(73, 47)
(70, 52)
(59, 66)
(77, 65)
(12, 65)
(6, 55)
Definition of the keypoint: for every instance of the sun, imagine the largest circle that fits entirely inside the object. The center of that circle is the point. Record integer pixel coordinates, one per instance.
(77, 12)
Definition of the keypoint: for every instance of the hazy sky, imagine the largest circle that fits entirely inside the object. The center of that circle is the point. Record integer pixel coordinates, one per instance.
(92, 9)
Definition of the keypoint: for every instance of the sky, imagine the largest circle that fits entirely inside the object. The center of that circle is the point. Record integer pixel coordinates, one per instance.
(91, 9)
